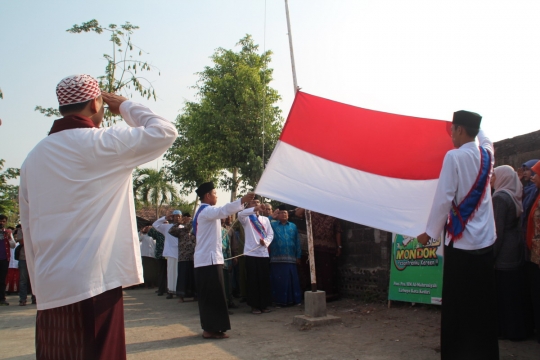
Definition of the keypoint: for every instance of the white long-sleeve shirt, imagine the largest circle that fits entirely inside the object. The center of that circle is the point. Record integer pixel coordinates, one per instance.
(208, 250)
(459, 172)
(148, 245)
(170, 249)
(252, 238)
(77, 209)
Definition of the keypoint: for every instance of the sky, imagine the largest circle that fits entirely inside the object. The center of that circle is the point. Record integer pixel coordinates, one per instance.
(417, 57)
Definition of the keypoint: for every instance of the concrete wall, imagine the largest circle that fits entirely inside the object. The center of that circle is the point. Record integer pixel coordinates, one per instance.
(364, 267)
(517, 150)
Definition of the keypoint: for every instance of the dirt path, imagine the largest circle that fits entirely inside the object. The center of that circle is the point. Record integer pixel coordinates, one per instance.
(157, 328)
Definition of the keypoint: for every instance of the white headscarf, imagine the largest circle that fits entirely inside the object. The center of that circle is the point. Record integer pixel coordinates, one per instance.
(506, 180)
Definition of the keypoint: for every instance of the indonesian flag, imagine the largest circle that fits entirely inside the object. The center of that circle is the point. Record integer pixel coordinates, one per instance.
(368, 167)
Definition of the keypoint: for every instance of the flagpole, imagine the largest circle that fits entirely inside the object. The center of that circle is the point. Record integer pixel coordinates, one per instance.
(309, 228)
(295, 83)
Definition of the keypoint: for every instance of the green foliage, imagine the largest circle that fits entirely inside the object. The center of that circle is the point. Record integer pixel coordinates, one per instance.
(183, 205)
(191, 163)
(153, 188)
(124, 69)
(223, 134)
(1, 94)
(48, 112)
(9, 194)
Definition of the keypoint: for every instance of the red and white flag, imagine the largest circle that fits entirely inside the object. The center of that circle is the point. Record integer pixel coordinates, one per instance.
(369, 167)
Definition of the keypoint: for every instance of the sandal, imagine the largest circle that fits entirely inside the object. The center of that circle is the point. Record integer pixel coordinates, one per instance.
(266, 310)
(256, 311)
(22, 303)
(219, 335)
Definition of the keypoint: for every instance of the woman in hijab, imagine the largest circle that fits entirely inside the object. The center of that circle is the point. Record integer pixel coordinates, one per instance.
(533, 245)
(509, 252)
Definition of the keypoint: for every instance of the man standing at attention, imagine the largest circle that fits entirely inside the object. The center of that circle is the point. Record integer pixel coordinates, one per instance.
(462, 202)
(285, 254)
(170, 251)
(258, 236)
(6, 244)
(78, 219)
(208, 257)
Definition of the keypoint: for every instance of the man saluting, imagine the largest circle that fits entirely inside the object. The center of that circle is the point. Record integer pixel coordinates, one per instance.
(463, 203)
(208, 257)
(78, 218)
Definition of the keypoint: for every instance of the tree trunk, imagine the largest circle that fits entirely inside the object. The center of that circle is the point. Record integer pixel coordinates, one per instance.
(234, 184)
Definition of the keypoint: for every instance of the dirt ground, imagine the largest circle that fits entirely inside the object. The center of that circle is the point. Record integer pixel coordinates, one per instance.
(157, 328)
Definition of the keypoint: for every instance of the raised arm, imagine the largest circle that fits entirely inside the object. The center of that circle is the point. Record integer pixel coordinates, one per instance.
(158, 225)
(216, 213)
(178, 231)
(486, 143)
(148, 136)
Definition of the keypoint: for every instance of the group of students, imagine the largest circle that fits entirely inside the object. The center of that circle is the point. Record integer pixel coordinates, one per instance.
(13, 269)
(516, 206)
(266, 274)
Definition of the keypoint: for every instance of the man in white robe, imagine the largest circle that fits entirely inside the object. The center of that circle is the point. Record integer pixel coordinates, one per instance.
(78, 218)
(208, 258)
(258, 237)
(462, 204)
(170, 250)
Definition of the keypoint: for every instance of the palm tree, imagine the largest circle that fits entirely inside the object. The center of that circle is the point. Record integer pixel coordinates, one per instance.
(153, 188)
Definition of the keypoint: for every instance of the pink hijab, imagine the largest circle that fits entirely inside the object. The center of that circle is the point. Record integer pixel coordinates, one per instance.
(506, 180)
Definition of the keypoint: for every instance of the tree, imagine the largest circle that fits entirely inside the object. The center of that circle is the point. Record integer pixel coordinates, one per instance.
(121, 71)
(9, 194)
(153, 188)
(231, 131)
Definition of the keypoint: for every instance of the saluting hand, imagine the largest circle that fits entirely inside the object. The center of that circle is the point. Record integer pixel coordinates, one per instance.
(114, 101)
(248, 197)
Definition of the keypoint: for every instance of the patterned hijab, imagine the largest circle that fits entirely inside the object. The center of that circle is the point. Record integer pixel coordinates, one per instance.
(506, 180)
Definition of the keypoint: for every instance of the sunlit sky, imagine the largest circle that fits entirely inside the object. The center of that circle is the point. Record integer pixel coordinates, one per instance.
(421, 58)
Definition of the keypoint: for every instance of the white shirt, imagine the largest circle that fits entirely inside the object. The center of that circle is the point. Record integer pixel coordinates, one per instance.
(459, 172)
(252, 238)
(170, 248)
(77, 210)
(13, 264)
(148, 245)
(208, 250)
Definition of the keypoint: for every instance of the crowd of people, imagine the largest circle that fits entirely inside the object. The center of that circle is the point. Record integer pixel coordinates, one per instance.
(261, 274)
(78, 240)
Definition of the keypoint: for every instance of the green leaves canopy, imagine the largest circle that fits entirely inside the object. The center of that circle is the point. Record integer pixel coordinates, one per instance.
(234, 126)
(9, 194)
(121, 75)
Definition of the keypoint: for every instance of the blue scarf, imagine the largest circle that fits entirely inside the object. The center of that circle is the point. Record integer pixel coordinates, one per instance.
(259, 228)
(461, 214)
(194, 222)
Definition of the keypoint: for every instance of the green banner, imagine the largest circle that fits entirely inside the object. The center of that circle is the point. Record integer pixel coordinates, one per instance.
(416, 270)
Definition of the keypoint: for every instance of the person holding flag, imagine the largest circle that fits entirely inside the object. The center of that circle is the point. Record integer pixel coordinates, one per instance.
(463, 204)
(258, 236)
(208, 259)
